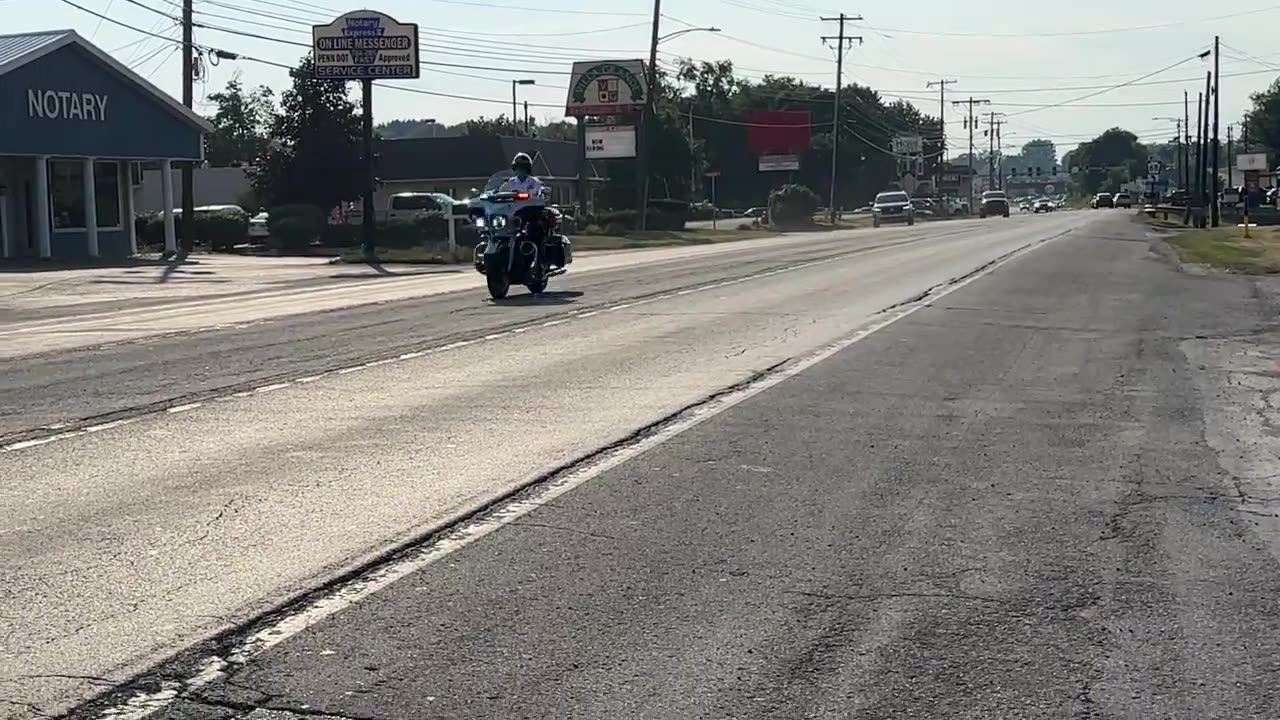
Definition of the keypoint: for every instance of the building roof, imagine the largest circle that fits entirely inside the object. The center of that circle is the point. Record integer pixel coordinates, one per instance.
(18, 50)
(474, 157)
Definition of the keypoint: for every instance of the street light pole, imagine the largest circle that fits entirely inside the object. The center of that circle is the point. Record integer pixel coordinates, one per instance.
(646, 115)
(515, 113)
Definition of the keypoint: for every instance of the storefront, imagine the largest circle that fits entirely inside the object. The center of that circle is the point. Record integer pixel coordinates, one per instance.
(74, 124)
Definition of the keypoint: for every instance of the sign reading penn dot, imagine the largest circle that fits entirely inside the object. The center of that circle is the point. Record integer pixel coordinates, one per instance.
(606, 87)
(365, 45)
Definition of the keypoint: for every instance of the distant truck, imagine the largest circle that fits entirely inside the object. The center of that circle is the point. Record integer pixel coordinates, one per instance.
(406, 207)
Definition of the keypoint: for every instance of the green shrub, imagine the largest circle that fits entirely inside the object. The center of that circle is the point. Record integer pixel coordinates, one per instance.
(616, 228)
(150, 229)
(294, 227)
(792, 206)
(221, 230)
(340, 236)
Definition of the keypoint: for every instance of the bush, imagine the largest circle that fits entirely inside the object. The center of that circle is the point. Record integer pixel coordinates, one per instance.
(616, 228)
(293, 227)
(702, 211)
(792, 206)
(340, 236)
(223, 229)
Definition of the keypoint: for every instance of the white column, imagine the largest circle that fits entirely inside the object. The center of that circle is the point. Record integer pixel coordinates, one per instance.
(90, 207)
(125, 182)
(6, 219)
(42, 219)
(166, 186)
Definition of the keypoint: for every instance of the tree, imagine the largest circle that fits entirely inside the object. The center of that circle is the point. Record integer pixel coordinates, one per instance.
(1110, 159)
(1262, 121)
(313, 156)
(240, 125)
(1041, 154)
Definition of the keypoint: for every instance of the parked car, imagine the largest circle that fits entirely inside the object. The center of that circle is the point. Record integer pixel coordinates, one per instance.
(755, 212)
(1122, 200)
(1101, 200)
(893, 206)
(258, 226)
(994, 202)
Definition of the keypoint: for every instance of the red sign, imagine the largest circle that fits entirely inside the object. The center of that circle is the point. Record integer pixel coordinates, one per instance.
(778, 132)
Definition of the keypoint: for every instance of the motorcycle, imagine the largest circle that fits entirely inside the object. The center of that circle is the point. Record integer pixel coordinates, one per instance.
(508, 252)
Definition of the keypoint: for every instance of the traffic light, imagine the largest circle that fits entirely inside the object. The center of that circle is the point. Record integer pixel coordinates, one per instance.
(1037, 171)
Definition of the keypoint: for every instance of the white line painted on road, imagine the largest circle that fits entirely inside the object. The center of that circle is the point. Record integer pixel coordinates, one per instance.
(183, 408)
(110, 425)
(569, 316)
(343, 596)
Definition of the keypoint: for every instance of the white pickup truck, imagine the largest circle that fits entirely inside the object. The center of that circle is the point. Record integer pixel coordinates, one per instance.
(406, 206)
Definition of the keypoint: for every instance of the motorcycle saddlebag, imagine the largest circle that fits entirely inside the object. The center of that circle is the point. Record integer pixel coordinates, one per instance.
(559, 250)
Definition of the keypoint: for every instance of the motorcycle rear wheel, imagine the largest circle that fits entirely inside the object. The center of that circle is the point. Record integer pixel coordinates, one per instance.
(499, 284)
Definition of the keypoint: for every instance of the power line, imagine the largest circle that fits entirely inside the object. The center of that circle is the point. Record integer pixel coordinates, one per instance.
(1135, 81)
(1079, 33)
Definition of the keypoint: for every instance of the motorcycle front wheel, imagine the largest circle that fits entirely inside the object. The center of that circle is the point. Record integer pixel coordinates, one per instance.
(499, 284)
(536, 286)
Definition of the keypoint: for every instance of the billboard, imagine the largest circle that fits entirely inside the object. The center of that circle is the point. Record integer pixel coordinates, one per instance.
(606, 87)
(610, 141)
(778, 132)
(1252, 161)
(907, 144)
(775, 163)
(365, 45)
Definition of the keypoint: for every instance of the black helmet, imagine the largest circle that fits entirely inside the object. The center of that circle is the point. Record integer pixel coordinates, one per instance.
(522, 160)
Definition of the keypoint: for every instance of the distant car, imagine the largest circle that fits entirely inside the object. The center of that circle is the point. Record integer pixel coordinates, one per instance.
(258, 226)
(1122, 200)
(994, 202)
(755, 212)
(1043, 204)
(1102, 200)
(894, 206)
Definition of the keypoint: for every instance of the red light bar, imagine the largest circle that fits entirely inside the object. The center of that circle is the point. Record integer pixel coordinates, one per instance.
(522, 196)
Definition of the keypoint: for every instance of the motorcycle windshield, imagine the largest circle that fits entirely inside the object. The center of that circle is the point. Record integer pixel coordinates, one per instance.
(496, 180)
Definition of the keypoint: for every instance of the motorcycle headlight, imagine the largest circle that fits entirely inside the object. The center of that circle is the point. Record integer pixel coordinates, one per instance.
(479, 221)
(499, 221)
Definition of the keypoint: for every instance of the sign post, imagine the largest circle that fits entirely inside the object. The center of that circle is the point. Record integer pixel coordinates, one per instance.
(366, 45)
(715, 211)
(608, 88)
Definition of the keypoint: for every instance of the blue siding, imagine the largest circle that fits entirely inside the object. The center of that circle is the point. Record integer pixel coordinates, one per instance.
(137, 125)
(70, 244)
(73, 245)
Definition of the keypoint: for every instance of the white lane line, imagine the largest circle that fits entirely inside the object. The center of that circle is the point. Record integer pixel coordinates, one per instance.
(570, 316)
(217, 667)
(110, 425)
(183, 408)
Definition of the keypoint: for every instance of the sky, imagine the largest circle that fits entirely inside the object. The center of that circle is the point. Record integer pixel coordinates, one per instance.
(1052, 69)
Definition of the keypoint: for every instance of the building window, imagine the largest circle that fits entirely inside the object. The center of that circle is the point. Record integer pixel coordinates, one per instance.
(66, 194)
(106, 184)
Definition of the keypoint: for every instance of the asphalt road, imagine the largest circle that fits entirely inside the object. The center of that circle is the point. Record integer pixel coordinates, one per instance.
(999, 506)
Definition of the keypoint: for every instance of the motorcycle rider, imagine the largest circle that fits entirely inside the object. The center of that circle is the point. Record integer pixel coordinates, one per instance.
(524, 181)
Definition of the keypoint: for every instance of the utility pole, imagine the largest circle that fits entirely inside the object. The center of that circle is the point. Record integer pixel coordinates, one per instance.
(942, 84)
(528, 131)
(842, 41)
(1213, 176)
(188, 98)
(646, 116)
(993, 132)
(1186, 156)
(1207, 186)
(1199, 180)
(968, 123)
(1231, 175)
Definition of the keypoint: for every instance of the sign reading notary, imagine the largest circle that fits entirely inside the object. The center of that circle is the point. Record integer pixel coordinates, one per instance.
(365, 45)
(66, 105)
